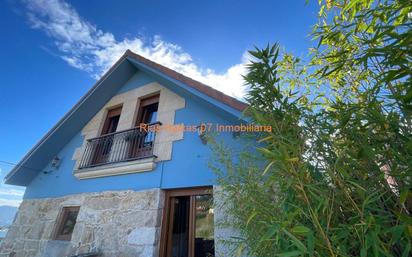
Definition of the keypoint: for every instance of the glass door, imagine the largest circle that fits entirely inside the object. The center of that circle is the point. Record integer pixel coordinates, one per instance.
(204, 243)
(189, 224)
(103, 145)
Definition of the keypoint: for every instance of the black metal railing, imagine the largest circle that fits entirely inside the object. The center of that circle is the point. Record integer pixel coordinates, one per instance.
(126, 145)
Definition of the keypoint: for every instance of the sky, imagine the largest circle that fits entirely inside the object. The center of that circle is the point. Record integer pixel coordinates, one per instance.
(53, 51)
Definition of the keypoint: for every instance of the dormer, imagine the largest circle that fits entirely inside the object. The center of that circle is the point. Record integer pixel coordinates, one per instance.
(109, 118)
(125, 135)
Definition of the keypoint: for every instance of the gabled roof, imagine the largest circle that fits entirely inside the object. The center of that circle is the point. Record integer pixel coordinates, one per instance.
(216, 94)
(105, 88)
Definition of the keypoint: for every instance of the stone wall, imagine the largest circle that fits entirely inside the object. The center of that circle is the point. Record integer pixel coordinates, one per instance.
(226, 242)
(115, 223)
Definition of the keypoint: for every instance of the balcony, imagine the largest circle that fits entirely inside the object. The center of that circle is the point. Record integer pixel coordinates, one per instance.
(123, 152)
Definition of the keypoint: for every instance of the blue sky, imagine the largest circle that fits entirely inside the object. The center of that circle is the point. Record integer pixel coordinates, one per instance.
(53, 51)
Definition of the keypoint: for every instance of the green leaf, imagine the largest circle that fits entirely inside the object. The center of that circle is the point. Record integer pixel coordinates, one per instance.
(407, 251)
(269, 233)
(311, 243)
(289, 254)
(363, 252)
(293, 159)
(302, 230)
(403, 195)
(295, 241)
(266, 151)
(251, 217)
(268, 167)
(240, 249)
(397, 232)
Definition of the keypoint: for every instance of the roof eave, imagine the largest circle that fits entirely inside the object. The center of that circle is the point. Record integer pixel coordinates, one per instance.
(22, 162)
(235, 113)
(230, 105)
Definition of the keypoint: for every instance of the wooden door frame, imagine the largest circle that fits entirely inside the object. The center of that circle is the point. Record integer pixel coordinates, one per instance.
(61, 219)
(112, 112)
(145, 102)
(167, 225)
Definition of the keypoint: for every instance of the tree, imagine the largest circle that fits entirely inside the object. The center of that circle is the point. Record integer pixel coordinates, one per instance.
(336, 179)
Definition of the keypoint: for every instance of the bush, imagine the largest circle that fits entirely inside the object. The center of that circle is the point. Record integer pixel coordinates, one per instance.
(336, 179)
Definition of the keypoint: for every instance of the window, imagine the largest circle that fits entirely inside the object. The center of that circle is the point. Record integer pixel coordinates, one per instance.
(188, 230)
(142, 144)
(66, 223)
(103, 147)
(148, 110)
(112, 120)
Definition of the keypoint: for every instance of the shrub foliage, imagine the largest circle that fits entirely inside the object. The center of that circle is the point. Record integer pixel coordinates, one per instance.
(336, 173)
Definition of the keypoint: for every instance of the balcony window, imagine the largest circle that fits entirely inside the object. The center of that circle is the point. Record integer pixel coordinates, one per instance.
(112, 120)
(133, 144)
(102, 149)
(148, 110)
(121, 146)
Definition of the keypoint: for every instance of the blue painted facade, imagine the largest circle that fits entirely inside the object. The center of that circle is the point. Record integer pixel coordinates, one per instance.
(188, 166)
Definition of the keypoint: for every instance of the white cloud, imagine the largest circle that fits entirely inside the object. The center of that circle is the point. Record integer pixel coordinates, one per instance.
(4, 191)
(10, 202)
(10, 195)
(88, 48)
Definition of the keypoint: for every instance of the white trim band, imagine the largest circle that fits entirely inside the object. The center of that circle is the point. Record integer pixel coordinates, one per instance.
(137, 166)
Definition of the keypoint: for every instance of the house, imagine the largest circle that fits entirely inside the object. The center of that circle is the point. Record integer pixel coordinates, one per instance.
(125, 171)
